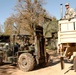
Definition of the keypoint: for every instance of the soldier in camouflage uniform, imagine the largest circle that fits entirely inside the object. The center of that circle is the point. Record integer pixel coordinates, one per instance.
(70, 13)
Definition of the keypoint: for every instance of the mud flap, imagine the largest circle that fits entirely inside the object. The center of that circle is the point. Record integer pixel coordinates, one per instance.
(62, 63)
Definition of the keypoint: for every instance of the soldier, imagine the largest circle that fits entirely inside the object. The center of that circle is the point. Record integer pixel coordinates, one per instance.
(70, 13)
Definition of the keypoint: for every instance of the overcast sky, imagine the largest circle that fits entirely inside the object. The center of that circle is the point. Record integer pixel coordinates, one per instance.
(51, 6)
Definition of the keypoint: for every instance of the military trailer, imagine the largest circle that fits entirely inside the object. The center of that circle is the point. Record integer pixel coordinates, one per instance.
(23, 53)
(67, 40)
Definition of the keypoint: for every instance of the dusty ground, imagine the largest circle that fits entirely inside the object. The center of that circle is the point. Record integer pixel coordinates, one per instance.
(52, 69)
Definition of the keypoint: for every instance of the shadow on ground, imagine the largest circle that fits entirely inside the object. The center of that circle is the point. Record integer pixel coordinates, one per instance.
(53, 60)
(7, 69)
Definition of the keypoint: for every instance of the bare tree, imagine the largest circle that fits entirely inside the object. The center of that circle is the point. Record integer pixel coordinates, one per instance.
(1, 29)
(29, 13)
(8, 26)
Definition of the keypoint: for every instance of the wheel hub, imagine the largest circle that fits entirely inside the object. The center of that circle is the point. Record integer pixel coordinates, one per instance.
(24, 63)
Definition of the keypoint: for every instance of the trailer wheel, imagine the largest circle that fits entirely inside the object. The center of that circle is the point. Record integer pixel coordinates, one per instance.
(74, 62)
(26, 62)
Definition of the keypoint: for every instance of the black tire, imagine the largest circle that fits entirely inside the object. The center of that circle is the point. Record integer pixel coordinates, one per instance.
(74, 62)
(47, 59)
(1, 60)
(47, 56)
(26, 62)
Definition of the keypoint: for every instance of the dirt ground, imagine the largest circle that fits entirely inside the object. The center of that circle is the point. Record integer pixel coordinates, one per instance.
(53, 68)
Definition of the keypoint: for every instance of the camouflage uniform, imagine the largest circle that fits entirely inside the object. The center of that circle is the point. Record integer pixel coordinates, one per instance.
(70, 13)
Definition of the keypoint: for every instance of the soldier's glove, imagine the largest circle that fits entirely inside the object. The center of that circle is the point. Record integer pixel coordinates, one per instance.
(69, 19)
(62, 19)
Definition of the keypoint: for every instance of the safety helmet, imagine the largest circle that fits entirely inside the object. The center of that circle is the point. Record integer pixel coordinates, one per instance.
(67, 4)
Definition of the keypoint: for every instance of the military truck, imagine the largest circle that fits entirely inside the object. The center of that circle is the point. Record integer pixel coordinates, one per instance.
(25, 54)
(4, 44)
(67, 40)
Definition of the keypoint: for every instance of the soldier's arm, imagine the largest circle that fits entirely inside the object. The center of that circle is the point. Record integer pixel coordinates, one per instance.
(72, 12)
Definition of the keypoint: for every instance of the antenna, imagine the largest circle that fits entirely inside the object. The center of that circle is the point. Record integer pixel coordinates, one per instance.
(61, 10)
